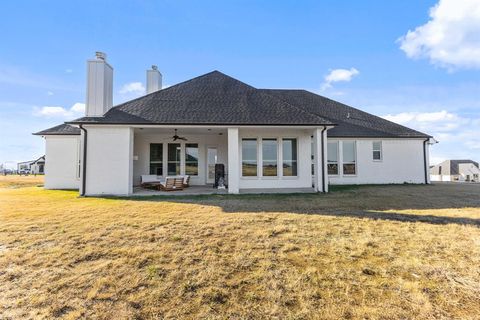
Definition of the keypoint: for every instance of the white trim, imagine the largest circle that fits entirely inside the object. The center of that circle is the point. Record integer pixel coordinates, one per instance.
(259, 140)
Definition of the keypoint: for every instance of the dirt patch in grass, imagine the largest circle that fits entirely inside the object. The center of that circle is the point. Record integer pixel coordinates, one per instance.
(384, 252)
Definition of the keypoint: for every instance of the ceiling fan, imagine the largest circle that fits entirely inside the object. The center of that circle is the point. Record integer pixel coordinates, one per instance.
(177, 137)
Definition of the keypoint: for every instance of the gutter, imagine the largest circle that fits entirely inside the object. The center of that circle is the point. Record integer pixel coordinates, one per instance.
(226, 125)
(84, 161)
(323, 161)
(425, 159)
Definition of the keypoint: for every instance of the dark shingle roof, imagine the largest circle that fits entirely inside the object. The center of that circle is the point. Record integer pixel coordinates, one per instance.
(351, 122)
(213, 98)
(218, 99)
(60, 130)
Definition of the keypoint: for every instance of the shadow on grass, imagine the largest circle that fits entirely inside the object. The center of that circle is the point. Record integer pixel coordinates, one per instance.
(405, 217)
(366, 202)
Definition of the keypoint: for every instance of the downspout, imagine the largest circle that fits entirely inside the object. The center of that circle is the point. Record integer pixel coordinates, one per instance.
(84, 161)
(425, 159)
(323, 161)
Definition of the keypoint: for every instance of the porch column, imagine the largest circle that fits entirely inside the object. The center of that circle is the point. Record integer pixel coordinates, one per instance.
(319, 157)
(233, 161)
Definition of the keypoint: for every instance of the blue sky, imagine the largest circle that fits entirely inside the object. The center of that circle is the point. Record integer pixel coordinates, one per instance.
(357, 52)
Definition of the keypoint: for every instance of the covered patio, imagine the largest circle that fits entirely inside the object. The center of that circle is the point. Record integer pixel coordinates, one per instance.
(192, 152)
(254, 159)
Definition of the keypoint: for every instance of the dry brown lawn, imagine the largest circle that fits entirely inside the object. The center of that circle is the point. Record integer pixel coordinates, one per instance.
(376, 252)
(15, 181)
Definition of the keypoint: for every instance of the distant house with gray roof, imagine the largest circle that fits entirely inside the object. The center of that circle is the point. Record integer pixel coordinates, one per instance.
(455, 170)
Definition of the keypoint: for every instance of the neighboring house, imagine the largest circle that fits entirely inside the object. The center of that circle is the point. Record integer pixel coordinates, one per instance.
(38, 166)
(266, 138)
(33, 167)
(24, 167)
(455, 170)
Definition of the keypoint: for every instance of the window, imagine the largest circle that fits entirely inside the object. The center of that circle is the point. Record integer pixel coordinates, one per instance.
(377, 150)
(440, 170)
(289, 147)
(79, 162)
(156, 159)
(332, 158)
(249, 157)
(269, 155)
(173, 159)
(349, 158)
(191, 159)
(312, 157)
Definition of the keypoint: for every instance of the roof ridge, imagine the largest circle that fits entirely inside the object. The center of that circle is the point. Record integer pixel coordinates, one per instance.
(260, 91)
(297, 107)
(172, 86)
(356, 109)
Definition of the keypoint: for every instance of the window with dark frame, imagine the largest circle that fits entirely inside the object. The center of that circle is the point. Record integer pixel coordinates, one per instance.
(349, 158)
(156, 159)
(191, 159)
(289, 153)
(269, 157)
(249, 157)
(173, 156)
(332, 158)
(377, 150)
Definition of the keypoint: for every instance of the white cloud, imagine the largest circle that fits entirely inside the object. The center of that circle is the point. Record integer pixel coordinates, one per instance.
(459, 136)
(78, 107)
(439, 121)
(132, 88)
(68, 70)
(451, 38)
(77, 110)
(339, 75)
(49, 93)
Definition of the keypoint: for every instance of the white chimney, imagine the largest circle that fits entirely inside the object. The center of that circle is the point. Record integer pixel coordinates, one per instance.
(154, 80)
(99, 86)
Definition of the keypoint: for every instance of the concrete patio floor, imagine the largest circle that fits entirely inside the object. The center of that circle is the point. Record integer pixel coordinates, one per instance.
(190, 191)
(208, 189)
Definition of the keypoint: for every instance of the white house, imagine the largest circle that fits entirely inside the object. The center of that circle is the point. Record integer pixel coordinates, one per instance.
(34, 166)
(266, 139)
(456, 170)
